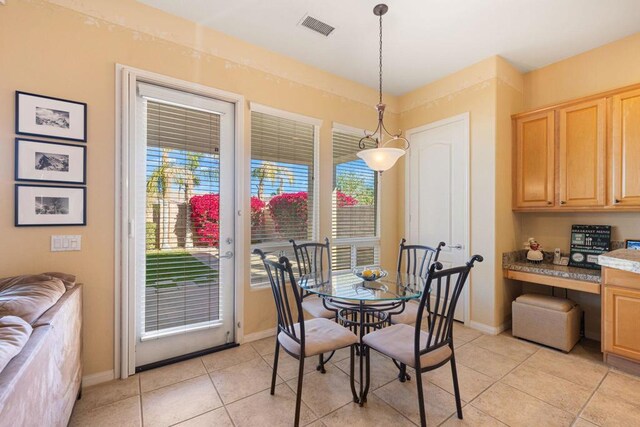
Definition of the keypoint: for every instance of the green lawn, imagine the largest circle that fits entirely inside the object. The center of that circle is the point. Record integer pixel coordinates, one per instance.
(177, 266)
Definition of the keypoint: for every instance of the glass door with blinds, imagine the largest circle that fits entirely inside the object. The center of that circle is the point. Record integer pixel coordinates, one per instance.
(356, 240)
(182, 197)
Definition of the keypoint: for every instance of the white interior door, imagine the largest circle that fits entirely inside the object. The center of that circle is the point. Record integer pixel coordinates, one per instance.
(182, 200)
(437, 191)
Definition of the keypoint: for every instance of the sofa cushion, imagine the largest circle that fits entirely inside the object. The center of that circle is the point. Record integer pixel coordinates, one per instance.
(69, 280)
(14, 334)
(29, 296)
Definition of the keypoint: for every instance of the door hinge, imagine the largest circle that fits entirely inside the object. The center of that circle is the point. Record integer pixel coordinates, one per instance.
(130, 228)
(239, 325)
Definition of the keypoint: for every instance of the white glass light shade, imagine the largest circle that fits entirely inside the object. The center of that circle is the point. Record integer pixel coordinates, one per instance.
(382, 158)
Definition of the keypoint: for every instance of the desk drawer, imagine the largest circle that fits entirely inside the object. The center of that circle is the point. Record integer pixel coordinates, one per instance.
(625, 279)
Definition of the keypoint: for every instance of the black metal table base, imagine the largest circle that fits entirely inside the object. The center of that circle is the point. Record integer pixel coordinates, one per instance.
(362, 318)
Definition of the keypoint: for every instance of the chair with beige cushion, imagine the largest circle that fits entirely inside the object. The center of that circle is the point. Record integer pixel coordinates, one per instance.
(304, 338)
(547, 320)
(430, 349)
(311, 258)
(417, 260)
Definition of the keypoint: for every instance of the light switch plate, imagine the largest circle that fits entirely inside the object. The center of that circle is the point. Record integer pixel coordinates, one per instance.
(61, 243)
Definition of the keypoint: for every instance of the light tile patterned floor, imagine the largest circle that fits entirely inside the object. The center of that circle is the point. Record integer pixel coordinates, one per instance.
(504, 381)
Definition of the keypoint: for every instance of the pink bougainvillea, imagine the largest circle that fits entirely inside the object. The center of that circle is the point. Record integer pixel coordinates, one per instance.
(205, 217)
(257, 212)
(289, 212)
(344, 200)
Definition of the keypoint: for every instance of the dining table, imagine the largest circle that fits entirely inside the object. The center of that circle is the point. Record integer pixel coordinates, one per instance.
(362, 306)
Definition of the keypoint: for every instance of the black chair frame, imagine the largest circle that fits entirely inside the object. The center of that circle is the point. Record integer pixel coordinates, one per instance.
(279, 274)
(445, 287)
(307, 256)
(419, 259)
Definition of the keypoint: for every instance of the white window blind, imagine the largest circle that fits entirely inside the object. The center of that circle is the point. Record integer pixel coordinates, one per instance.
(355, 205)
(282, 186)
(181, 213)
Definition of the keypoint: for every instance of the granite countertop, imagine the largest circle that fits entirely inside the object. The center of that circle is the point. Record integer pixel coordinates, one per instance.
(621, 259)
(516, 261)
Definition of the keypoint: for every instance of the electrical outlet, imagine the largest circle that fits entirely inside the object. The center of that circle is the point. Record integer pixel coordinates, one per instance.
(61, 243)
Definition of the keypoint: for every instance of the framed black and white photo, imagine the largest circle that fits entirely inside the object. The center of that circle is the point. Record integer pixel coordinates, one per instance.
(48, 205)
(39, 115)
(50, 162)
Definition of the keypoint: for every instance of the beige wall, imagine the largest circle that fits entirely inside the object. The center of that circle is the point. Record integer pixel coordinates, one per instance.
(608, 67)
(476, 90)
(509, 100)
(55, 51)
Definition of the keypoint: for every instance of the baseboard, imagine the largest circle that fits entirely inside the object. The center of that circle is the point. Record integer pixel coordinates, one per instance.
(255, 336)
(490, 330)
(97, 378)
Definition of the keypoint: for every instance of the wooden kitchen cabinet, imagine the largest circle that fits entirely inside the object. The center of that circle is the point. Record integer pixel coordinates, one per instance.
(621, 314)
(534, 160)
(579, 156)
(582, 154)
(625, 149)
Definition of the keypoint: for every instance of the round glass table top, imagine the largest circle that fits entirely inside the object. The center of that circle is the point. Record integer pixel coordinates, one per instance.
(348, 286)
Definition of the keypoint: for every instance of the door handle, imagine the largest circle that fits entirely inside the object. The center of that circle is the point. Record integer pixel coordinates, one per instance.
(227, 255)
(458, 247)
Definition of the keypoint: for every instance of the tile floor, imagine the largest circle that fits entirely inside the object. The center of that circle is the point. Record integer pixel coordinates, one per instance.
(503, 380)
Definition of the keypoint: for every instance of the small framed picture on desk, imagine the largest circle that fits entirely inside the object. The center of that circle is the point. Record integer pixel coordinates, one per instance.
(632, 244)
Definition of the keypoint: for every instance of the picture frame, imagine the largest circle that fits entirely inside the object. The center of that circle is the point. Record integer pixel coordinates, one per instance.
(45, 116)
(50, 162)
(633, 244)
(50, 205)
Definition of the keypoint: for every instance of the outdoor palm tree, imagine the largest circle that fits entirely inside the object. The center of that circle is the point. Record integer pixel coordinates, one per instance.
(169, 174)
(274, 173)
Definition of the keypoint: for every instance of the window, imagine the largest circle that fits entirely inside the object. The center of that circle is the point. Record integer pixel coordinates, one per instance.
(283, 190)
(355, 205)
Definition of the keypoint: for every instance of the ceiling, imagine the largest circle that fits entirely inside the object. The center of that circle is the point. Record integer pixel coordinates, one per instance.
(424, 40)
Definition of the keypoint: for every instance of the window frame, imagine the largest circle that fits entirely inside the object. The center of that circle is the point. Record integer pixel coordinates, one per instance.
(355, 242)
(315, 213)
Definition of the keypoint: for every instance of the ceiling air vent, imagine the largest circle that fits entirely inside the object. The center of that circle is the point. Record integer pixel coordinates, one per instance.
(317, 26)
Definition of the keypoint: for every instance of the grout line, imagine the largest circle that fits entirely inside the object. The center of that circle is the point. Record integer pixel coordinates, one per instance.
(592, 394)
(140, 400)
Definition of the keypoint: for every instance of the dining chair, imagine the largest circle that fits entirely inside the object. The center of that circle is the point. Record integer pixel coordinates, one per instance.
(418, 260)
(311, 258)
(315, 257)
(433, 348)
(303, 338)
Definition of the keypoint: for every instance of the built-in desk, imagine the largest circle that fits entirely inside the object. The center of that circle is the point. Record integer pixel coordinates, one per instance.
(559, 276)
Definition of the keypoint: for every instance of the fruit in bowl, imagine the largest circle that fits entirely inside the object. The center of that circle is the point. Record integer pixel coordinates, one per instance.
(369, 273)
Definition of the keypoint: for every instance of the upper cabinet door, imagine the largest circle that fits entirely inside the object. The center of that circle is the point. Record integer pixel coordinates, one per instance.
(626, 149)
(534, 161)
(582, 154)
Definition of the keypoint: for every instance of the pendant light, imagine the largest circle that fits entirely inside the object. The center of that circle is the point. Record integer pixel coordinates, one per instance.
(381, 158)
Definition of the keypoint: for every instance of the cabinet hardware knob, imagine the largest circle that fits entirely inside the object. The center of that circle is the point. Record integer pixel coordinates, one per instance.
(562, 202)
(616, 201)
(549, 203)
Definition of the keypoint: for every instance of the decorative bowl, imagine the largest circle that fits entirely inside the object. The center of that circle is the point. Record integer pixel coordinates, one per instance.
(369, 273)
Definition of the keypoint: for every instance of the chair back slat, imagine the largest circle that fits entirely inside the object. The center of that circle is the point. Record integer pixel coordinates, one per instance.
(418, 257)
(444, 288)
(283, 284)
(311, 256)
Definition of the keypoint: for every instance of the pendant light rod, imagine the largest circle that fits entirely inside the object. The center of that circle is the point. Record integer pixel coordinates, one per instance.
(378, 141)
